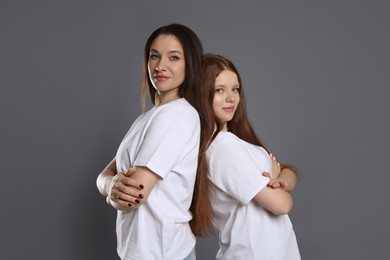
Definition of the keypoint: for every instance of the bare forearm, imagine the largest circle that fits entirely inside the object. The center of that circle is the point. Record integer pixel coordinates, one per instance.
(122, 192)
(105, 176)
(102, 180)
(278, 201)
(290, 177)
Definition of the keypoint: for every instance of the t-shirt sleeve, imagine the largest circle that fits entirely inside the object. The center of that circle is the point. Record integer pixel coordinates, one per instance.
(234, 171)
(165, 139)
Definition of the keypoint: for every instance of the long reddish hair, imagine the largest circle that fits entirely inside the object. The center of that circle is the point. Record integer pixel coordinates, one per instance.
(212, 66)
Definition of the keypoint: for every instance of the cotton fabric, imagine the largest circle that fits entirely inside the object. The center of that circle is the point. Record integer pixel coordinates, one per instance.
(246, 230)
(164, 139)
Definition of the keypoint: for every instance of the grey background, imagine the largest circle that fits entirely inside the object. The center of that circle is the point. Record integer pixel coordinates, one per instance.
(316, 75)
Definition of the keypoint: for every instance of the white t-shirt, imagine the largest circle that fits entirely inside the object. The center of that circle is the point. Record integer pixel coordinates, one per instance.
(246, 230)
(164, 139)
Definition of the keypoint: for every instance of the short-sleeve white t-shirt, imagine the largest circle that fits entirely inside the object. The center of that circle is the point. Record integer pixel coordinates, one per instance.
(246, 230)
(166, 140)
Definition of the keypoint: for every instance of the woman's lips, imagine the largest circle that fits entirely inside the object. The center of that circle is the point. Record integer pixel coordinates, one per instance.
(160, 78)
(229, 109)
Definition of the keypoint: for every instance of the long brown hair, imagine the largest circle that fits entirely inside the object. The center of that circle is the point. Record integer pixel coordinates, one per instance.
(212, 66)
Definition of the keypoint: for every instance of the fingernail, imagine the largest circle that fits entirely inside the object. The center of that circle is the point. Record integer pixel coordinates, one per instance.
(141, 196)
(138, 201)
(141, 186)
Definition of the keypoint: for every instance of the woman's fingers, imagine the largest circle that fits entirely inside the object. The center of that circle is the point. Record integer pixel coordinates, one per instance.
(275, 182)
(128, 181)
(283, 183)
(127, 190)
(266, 174)
(125, 199)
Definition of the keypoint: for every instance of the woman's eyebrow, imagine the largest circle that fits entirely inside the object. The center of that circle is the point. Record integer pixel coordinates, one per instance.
(170, 52)
(175, 51)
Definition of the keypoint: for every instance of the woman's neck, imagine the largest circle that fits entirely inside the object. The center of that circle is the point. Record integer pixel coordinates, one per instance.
(163, 98)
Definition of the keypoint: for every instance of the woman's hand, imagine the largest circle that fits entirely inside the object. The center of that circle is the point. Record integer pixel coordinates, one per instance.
(125, 191)
(275, 181)
(275, 196)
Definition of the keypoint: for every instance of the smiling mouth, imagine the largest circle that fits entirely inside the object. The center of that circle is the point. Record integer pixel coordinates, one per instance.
(160, 78)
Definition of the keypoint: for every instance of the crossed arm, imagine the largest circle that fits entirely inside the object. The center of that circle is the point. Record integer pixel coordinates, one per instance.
(122, 191)
(276, 195)
(282, 177)
(126, 193)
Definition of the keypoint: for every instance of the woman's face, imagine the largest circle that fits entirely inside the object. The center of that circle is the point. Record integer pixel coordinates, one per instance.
(166, 66)
(226, 97)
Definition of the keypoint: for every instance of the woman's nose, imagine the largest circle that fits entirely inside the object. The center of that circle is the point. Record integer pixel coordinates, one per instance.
(230, 97)
(161, 66)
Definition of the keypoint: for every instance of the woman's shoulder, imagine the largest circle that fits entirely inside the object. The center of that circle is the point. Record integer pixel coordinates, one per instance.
(177, 112)
(227, 141)
(224, 141)
(178, 106)
(226, 148)
(226, 137)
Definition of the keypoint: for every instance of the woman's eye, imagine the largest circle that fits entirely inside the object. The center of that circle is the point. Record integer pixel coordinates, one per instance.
(236, 89)
(218, 90)
(153, 56)
(174, 58)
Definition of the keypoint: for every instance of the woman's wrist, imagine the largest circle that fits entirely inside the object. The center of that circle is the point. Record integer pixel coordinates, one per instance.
(110, 181)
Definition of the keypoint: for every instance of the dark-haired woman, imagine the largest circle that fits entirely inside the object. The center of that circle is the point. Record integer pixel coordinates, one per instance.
(161, 148)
